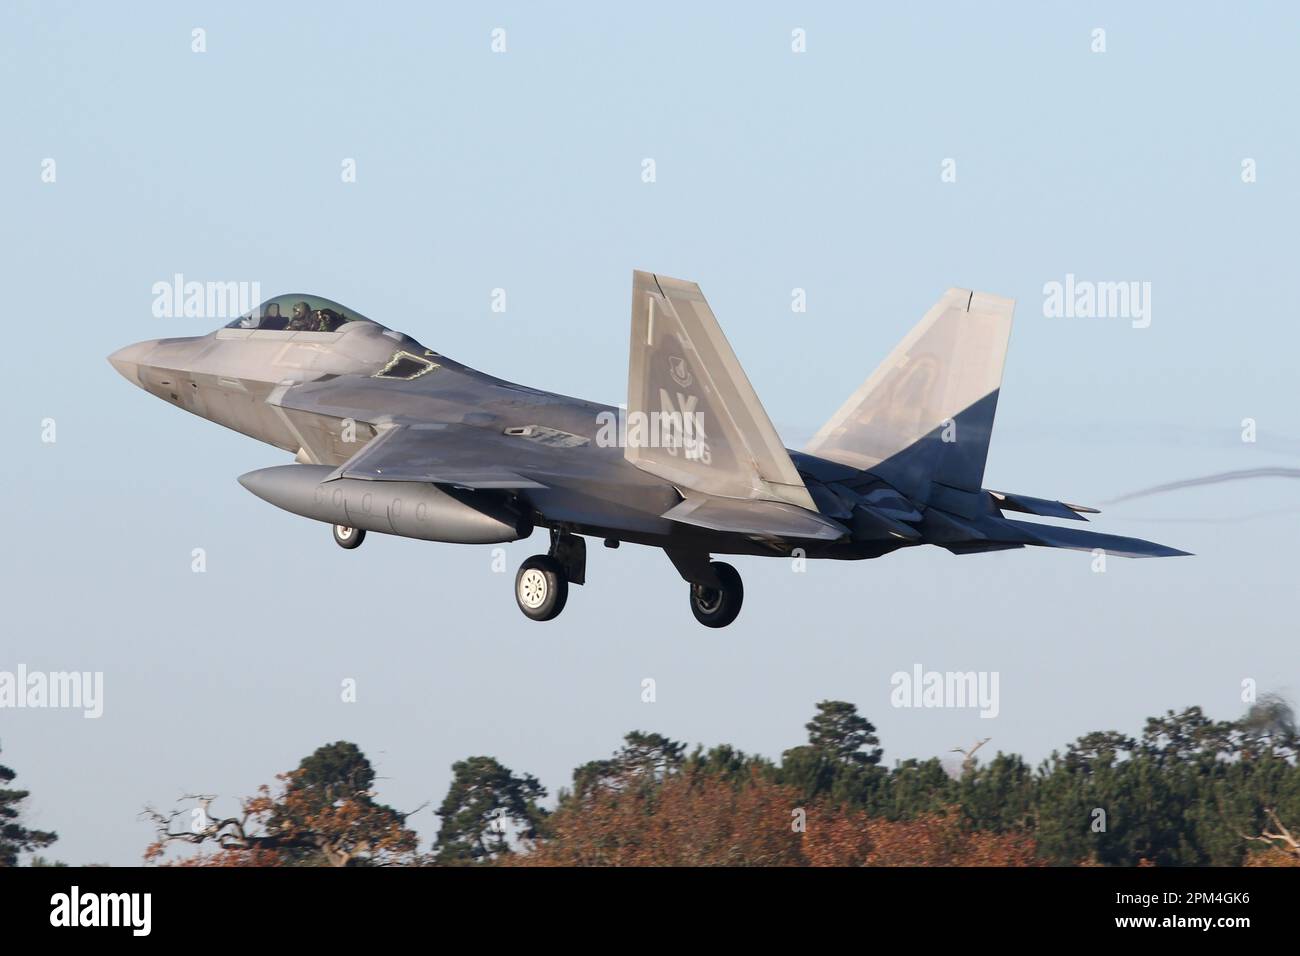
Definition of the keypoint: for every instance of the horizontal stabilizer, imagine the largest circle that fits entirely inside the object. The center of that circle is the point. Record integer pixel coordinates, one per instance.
(447, 456)
(767, 519)
(1040, 506)
(1077, 539)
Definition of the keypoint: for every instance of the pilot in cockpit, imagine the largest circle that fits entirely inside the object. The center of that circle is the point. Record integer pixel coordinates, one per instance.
(301, 319)
(327, 320)
(322, 316)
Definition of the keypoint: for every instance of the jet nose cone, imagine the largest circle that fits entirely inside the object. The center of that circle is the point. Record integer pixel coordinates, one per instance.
(128, 360)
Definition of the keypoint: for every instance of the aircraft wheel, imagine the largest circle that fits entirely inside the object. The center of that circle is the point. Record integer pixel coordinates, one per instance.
(715, 607)
(541, 588)
(349, 538)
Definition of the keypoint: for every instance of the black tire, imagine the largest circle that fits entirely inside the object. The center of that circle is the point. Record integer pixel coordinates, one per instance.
(349, 538)
(541, 588)
(715, 607)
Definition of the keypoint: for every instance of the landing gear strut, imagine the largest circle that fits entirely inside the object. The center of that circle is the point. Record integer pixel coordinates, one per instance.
(542, 584)
(718, 607)
(349, 538)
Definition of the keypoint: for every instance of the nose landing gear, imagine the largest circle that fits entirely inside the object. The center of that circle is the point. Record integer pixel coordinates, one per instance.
(541, 589)
(542, 584)
(349, 538)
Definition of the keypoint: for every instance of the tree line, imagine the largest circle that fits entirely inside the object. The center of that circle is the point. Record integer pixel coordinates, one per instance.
(1188, 791)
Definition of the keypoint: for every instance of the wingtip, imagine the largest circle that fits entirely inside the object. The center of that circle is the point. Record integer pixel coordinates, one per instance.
(1163, 551)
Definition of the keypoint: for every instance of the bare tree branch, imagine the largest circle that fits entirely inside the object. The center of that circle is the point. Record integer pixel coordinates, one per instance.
(1280, 839)
(968, 763)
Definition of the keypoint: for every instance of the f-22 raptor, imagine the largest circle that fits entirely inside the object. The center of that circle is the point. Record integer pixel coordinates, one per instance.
(392, 437)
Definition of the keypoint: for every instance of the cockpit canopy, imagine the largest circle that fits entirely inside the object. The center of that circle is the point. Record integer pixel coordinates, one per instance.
(298, 313)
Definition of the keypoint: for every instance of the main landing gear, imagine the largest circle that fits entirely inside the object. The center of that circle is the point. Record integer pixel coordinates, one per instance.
(716, 590)
(349, 538)
(718, 607)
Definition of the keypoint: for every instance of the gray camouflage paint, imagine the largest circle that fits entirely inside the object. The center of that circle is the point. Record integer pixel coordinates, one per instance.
(489, 459)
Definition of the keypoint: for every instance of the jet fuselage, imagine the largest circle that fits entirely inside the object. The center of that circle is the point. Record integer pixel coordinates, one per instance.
(241, 378)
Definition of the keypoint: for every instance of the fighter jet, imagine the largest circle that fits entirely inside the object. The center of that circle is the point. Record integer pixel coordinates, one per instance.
(393, 437)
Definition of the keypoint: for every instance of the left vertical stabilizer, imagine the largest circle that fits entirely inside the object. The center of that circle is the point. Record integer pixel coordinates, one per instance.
(692, 416)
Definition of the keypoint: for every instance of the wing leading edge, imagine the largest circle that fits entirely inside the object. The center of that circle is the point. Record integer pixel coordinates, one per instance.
(443, 454)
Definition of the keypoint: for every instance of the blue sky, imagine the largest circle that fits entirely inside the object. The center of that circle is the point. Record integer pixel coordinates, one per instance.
(522, 170)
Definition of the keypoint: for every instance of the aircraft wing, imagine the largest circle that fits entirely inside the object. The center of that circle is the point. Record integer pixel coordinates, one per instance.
(446, 454)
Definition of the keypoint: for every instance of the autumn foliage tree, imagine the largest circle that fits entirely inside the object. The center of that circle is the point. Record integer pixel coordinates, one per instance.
(323, 814)
(843, 836)
(685, 820)
(707, 820)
